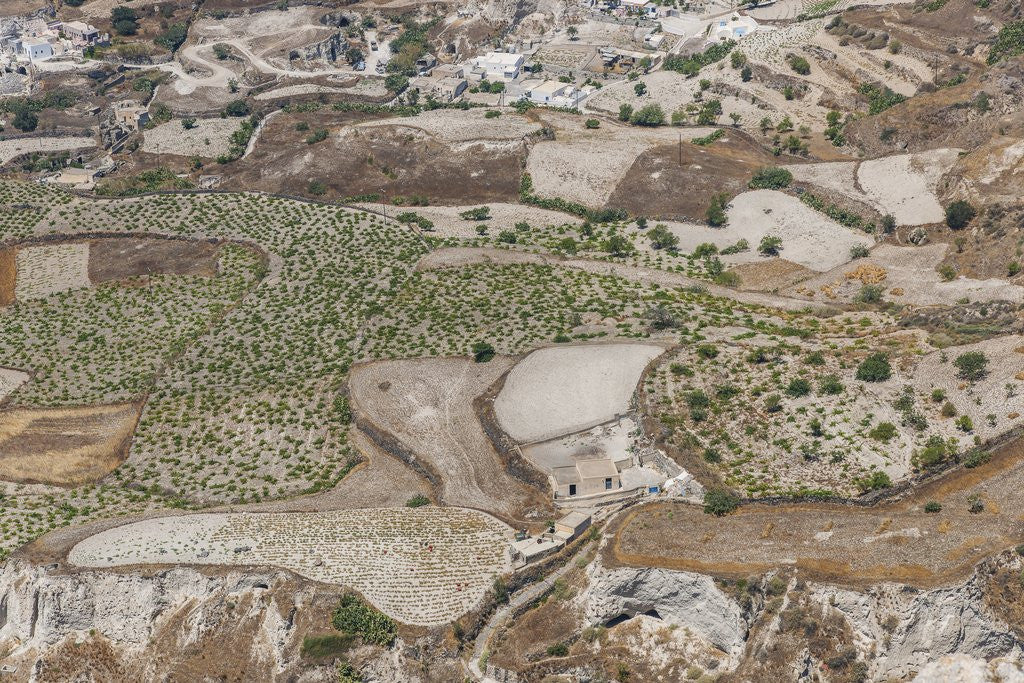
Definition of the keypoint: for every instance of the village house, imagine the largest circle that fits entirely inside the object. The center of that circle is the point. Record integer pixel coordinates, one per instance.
(130, 115)
(37, 49)
(80, 33)
(497, 66)
(733, 28)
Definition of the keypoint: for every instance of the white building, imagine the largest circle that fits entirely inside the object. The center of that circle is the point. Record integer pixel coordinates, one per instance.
(497, 66)
(552, 93)
(642, 7)
(37, 50)
(732, 28)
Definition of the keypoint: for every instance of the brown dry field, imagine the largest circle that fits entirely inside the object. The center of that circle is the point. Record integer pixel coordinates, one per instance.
(683, 190)
(115, 258)
(8, 275)
(426, 405)
(380, 161)
(771, 275)
(64, 446)
(847, 544)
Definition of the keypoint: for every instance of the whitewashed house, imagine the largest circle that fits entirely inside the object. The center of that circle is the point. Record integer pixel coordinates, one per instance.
(732, 27)
(497, 66)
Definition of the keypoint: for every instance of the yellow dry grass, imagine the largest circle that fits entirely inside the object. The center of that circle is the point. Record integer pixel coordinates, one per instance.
(8, 276)
(64, 446)
(868, 274)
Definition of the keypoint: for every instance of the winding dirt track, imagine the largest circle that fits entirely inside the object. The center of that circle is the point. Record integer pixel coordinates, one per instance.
(846, 544)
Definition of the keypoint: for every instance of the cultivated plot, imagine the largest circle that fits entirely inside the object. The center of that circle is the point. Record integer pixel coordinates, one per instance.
(424, 566)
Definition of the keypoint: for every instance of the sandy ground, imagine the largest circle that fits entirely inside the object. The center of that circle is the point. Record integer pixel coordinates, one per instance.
(296, 90)
(905, 185)
(504, 216)
(454, 126)
(10, 149)
(209, 138)
(910, 277)
(838, 176)
(10, 380)
(809, 238)
(427, 404)
(584, 165)
(561, 390)
(47, 269)
(423, 566)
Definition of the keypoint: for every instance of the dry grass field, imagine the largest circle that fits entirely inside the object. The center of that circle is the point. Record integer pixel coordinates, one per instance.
(64, 446)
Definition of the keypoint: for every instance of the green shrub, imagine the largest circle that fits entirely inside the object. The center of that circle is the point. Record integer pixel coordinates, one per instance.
(355, 617)
(648, 115)
(959, 214)
(482, 352)
(971, 366)
(798, 386)
(884, 432)
(558, 650)
(770, 178)
(932, 507)
(1009, 41)
(419, 500)
(976, 457)
(770, 245)
(716, 210)
(829, 385)
(799, 65)
(720, 502)
(873, 482)
(327, 645)
(661, 237)
(874, 368)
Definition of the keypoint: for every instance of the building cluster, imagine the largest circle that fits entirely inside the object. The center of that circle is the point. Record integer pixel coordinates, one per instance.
(38, 40)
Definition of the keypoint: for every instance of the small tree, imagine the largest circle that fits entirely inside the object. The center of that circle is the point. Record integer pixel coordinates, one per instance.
(640, 89)
(572, 32)
(592, 123)
(972, 365)
(482, 352)
(959, 214)
(874, 368)
(662, 238)
(188, 123)
(625, 112)
(715, 214)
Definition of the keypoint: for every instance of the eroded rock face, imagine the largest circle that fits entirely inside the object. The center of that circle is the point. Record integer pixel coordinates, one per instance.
(248, 618)
(906, 629)
(683, 598)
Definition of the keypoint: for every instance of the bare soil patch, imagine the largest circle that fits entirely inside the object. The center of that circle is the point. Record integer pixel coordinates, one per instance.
(390, 160)
(771, 275)
(64, 446)
(427, 405)
(651, 186)
(846, 544)
(113, 259)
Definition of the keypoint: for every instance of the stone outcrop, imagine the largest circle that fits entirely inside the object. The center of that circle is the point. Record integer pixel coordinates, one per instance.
(899, 629)
(683, 598)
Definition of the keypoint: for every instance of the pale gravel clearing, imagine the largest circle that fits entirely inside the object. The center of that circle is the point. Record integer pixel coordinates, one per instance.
(47, 269)
(586, 166)
(909, 277)
(9, 149)
(448, 223)
(838, 176)
(561, 390)
(423, 566)
(10, 380)
(209, 138)
(296, 90)
(455, 126)
(905, 185)
(809, 238)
